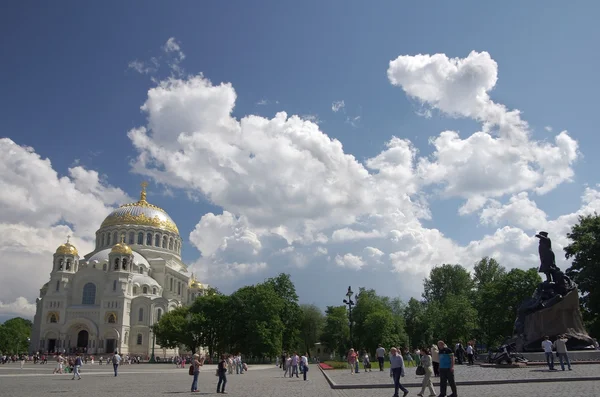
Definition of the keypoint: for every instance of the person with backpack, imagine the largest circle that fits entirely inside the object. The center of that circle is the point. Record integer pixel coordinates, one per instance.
(222, 373)
(76, 366)
(116, 360)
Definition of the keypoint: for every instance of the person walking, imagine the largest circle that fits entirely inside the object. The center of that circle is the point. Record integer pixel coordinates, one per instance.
(380, 353)
(435, 358)
(304, 364)
(446, 369)
(76, 368)
(222, 372)
(397, 371)
(547, 346)
(352, 360)
(427, 365)
(470, 353)
(560, 344)
(116, 360)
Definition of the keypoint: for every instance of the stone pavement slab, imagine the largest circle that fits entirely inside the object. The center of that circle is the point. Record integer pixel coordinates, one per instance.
(157, 380)
(570, 389)
(463, 373)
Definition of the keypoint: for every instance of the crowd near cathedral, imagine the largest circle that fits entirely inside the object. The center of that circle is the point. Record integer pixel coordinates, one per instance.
(108, 300)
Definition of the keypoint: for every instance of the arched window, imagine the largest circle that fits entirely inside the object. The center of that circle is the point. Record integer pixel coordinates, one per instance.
(115, 285)
(171, 284)
(149, 239)
(158, 314)
(53, 318)
(145, 290)
(157, 241)
(104, 267)
(134, 290)
(164, 244)
(140, 238)
(124, 263)
(57, 284)
(179, 288)
(139, 339)
(141, 270)
(103, 239)
(112, 319)
(60, 264)
(115, 238)
(89, 294)
(153, 291)
(68, 267)
(107, 238)
(171, 243)
(116, 263)
(141, 314)
(131, 238)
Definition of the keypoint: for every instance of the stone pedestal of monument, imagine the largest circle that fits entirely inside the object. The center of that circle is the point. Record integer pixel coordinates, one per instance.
(561, 318)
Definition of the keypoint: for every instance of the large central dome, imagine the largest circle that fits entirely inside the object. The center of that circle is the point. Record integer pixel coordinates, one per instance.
(141, 213)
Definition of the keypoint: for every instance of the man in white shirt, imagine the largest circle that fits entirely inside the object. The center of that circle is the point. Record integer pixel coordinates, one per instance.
(304, 364)
(547, 346)
(380, 353)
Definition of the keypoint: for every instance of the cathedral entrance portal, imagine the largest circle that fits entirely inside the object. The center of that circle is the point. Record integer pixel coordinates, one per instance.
(111, 345)
(51, 345)
(82, 340)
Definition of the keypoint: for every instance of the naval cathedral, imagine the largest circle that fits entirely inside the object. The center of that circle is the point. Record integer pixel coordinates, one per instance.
(109, 299)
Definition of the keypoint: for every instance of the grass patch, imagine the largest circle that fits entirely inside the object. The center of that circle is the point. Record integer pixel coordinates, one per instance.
(374, 365)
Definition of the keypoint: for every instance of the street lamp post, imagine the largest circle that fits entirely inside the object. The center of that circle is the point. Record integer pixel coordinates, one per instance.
(350, 303)
(152, 358)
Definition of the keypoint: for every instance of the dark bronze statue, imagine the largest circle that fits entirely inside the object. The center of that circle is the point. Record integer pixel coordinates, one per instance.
(547, 259)
(553, 309)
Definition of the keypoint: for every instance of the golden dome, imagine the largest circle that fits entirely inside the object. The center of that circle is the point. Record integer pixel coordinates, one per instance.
(193, 283)
(67, 249)
(141, 213)
(121, 249)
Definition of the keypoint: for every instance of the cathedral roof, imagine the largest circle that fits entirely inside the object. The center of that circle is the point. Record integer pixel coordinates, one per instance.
(102, 256)
(142, 279)
(67, 249)
(121, 249)
(141, 213)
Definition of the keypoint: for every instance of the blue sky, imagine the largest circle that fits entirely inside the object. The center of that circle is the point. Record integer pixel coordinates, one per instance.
(69, 93)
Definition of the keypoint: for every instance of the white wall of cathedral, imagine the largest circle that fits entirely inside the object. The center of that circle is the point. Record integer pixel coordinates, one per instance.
(138, 236)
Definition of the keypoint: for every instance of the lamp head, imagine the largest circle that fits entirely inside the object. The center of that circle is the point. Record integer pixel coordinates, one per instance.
(349, 293)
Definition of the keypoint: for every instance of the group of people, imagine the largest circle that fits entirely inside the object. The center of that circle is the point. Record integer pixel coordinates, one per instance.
(293, 364)
(560, 346)
(435, 361)
(226, 364)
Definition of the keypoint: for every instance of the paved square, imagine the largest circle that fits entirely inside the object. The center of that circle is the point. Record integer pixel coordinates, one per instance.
(467, 373)
(259, 381)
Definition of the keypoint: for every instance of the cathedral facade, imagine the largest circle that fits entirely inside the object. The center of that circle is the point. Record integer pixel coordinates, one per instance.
(109, 299)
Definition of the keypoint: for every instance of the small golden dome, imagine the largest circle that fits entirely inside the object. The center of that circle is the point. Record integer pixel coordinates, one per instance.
(67, 249)
(121, 249)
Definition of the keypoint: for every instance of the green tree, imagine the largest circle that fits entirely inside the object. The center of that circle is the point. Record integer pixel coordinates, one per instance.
(14, 334)
(212, 321)
(498, 300)
(179, 327)
(257, 328)
(486, 271)
(585, 268)
(418, 325)
(446, 280)
(377, 320)
(290, 313)
(311, 326)
(452, 319)
(336, 331)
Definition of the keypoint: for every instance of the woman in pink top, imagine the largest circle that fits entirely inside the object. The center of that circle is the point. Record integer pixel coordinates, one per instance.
(352, 360)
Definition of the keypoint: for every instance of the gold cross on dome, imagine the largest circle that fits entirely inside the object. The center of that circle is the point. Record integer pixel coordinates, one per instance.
(68, 238)
(143, 193)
